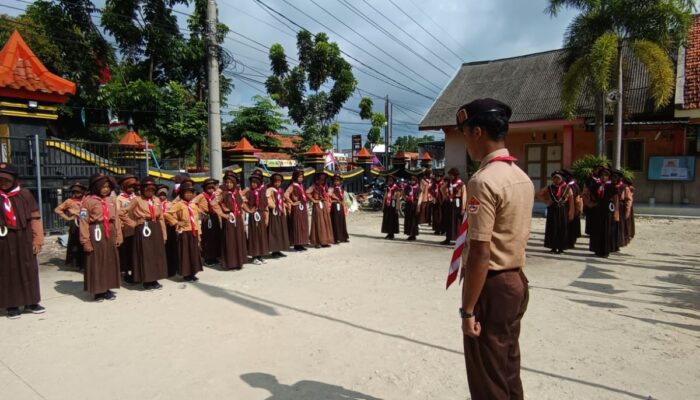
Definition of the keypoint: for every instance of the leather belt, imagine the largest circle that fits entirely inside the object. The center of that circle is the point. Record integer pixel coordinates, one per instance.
(493, 273)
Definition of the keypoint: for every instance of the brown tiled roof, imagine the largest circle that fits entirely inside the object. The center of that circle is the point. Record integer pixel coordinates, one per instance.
(266, 155)
(691, 89)
(287, 142)
(20, 69)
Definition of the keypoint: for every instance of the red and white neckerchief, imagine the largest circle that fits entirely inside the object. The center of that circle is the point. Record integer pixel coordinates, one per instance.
(163, 206)
(152, 210)
(256, 192)
(7, 209)
(601, 186)
(301, 189)
(126, 195)
(209, 198)
(279, 198)
(234, 203)
(456, 262)
(324, 192)
(429, 185)
(193, 224)
(389, 193)
(412, 193)
(339, 193)
(454, 186)
(105, 213)
(560, 189)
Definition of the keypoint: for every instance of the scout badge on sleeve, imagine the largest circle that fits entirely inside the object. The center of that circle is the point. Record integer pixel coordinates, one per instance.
(473, 205)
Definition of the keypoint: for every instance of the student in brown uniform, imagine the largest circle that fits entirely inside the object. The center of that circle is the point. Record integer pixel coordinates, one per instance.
(573, 229)
(211, 223)
(277, 229)
(69, 211)
(436, 195)
(234, 252)
(148, 255)
(171, 250)
(455, 193)
(629, 211)
(127, 185)
(101, 235)
(255, 206)
(390, 212)
(298, 212)
(338, 211)
(412, 198)
(21, 239)
(184, 216)
(425, 214)
(561, 208)
(321, 229)
(495, 293)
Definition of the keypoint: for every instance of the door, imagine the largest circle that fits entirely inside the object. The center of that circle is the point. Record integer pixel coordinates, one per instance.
(542, 160)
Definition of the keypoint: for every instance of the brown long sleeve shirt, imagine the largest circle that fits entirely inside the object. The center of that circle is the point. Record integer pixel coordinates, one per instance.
(91, 213)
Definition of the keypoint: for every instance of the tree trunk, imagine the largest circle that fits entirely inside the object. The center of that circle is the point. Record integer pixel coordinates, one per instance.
(600, 124)
(617, 141)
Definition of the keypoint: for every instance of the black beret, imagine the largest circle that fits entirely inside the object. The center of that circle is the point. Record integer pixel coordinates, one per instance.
(77, 185)
(208, 182)
(8, 169)
(148, 181)
(481, 106)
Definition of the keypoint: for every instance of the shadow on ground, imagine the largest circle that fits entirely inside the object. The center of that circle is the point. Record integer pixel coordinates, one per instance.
(302, 390)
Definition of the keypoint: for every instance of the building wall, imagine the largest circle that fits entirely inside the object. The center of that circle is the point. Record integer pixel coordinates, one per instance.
(455, 151)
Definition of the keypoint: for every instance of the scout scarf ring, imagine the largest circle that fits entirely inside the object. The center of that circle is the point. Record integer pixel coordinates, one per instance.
(146, 229)
(280, 202)
(232, 215)
(303, 195)
(105, 220)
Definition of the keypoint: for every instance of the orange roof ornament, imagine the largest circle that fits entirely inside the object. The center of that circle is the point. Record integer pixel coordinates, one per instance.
(314, 151)
(364, 154)
(244, 147)
(22, 75)
(426, 157)
(132, 138)
(401, 156)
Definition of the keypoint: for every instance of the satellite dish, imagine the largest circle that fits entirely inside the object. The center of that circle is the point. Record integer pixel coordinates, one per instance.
(612, 97)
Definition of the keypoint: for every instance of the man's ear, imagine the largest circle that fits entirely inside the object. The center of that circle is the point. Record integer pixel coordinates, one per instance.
(477, 132)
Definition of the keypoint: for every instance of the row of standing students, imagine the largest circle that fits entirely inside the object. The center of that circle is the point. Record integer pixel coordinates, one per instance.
(153, 238)
(434, 200)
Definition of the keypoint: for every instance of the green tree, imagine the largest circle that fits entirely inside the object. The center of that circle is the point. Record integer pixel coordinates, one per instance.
(299, 88)
(604, 37)
(377, 120)
(252, 122)
(410, 143)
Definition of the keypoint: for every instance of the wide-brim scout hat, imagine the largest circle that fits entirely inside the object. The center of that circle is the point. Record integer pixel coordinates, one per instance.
(187, 186)
(148, 181)
(276, 177)
(471, 110)
(296, 174)
(8, 172)
(100, 178)
(558, 172)
(337, 176)
(230, 175)
(161, 190)
(255, 177)
(207, 182)
(126, 181)
(77, 187)
(453, 171)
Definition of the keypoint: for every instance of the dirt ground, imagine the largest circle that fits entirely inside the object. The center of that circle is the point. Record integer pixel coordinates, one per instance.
(366, 320)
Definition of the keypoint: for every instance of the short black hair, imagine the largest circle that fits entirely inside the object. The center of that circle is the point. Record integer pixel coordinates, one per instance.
(495, 123)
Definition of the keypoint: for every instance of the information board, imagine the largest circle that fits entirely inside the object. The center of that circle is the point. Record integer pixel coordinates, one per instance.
(671, 168)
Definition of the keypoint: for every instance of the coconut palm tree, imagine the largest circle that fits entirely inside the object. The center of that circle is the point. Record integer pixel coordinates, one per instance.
(601, 39)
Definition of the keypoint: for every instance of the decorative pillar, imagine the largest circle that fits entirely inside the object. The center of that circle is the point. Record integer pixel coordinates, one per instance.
(426, 161)
(315, 158)
(243, 155)
(568, 146)
(364, 161)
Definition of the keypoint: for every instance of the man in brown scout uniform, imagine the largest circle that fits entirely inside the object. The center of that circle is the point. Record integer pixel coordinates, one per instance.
(495, 293)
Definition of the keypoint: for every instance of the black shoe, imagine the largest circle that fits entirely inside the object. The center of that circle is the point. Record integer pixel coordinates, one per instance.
(100, 297)
(411, 238)
(109, 295)
(317, 247)
(187, 278)
(129, 279)
(326, 245)
(13, 313)
(279, 253)
(275, 254)
(194, 278)
(35, 309)
(157, 286)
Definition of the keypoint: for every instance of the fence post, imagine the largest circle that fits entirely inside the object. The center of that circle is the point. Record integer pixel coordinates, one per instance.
(147, 155)
(37, 163)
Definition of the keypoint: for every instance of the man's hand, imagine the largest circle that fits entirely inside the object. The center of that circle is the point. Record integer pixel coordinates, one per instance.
(36, 249)
(471, 327)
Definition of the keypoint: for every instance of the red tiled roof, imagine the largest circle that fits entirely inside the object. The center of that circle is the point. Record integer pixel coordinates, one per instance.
(426, 156)
(21, 70)
(364, 153)
(411, 155)
(287, 142)
(243, 147)
(314, 151)
(692, 67)
(265, 155)
(132, 138)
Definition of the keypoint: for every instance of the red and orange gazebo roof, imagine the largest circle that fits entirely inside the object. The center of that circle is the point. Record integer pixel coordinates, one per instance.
(314, 151)
(243, 147)
(22, 75)
(132, 138)
(363, 154)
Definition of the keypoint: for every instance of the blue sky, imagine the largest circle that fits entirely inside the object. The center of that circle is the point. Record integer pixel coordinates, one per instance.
(422, 45)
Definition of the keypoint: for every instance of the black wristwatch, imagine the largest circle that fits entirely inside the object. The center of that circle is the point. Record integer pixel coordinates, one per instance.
(465, 314)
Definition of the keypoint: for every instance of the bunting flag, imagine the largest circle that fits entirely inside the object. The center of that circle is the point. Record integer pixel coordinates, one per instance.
(329, 161)
(456, 262)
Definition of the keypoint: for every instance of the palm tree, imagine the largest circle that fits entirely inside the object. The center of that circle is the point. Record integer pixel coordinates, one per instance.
(604, 35)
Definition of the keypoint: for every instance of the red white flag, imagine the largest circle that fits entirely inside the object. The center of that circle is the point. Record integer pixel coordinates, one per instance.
(456, 262)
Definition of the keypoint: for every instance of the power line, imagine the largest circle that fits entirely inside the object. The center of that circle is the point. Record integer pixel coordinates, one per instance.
(443, 30)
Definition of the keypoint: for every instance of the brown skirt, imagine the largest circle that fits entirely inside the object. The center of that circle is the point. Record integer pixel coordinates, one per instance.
(188, 253)
(234, 252)
(257, 237)
(19, 270)
(321, 230)
(172, 252)
(102, 263)
(299, 226)
(149, 254)
(410, 220)
(74, 251)
(125, 252)
(211, 237)
(426, 213)
(390, 220)
(278, 233)
(437, 219)
(340, 226)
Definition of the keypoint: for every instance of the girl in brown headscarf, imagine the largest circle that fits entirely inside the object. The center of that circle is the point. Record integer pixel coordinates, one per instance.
(278, 232)
(230, 208)
(338, 210)
(390, 217)
(69, 211)
(148, 257)
(101, 235)
(21, 239)
(184, 216)
(256, 209)
(321, 230)
(298, 214)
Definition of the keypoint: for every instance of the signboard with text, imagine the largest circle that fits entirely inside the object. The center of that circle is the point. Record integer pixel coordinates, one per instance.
(672, 168)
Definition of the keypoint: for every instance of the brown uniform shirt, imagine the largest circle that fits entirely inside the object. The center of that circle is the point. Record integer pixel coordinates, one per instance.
(69, 210)
(179, 216)
(91, 212)
(140, 212)
(500, 203)
(127, 225)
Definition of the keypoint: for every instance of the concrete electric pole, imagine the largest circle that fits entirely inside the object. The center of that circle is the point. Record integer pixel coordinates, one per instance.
(215, 153)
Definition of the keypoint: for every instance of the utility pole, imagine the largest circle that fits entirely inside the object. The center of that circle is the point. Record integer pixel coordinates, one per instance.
(617, 139)
(386, 132)
(215, 154)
